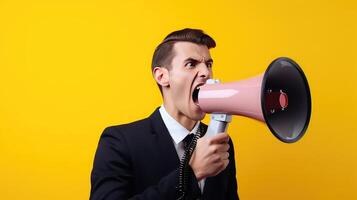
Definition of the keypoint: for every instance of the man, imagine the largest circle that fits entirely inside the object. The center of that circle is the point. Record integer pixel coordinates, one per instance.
(141, 160)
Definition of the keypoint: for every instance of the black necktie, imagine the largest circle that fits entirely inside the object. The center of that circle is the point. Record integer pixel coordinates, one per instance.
(187, 140)
(185, 171)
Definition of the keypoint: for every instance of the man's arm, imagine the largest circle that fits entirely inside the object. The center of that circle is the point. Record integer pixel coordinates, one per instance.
(232, 190)
(112, 174)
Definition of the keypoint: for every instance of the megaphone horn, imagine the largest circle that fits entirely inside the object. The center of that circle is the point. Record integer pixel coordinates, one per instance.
(280, 97)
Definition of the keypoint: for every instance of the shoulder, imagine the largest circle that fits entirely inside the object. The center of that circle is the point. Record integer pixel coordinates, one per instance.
(134, 134)
(141, 126)
(128, 130)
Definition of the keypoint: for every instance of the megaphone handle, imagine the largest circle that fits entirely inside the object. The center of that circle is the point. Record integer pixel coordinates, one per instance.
(218, 124)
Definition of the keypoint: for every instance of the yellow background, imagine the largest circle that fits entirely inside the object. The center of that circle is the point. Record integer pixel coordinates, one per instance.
(70, 68)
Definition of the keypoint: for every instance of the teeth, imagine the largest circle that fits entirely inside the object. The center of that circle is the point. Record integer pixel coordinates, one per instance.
(199, 86)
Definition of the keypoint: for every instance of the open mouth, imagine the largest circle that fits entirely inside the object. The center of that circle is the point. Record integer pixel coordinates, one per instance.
(195, 94)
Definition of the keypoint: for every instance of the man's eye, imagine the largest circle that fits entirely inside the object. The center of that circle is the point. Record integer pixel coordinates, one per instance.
(190, 64)
(209, 65)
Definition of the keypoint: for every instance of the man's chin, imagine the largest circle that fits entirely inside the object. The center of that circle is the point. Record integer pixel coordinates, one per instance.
(198, 116)
(195, 113)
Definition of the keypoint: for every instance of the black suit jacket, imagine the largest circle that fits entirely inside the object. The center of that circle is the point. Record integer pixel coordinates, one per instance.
(139, 161)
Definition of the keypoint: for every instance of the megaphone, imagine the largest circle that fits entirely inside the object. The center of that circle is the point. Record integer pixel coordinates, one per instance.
(280, 97)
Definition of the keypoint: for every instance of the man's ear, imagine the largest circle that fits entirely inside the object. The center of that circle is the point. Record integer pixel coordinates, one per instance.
(161, 75)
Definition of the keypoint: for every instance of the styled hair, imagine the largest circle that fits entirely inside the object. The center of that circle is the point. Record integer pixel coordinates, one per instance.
(164, 51)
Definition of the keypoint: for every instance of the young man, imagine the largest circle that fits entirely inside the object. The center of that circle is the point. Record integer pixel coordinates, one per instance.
(141, 160)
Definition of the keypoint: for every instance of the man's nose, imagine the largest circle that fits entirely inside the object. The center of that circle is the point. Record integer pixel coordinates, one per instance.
(204, 71)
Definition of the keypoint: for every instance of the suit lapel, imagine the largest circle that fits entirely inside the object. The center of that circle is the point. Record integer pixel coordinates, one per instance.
(165, 146)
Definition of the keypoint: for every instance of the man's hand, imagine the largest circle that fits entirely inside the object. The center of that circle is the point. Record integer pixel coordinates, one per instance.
(210, 156)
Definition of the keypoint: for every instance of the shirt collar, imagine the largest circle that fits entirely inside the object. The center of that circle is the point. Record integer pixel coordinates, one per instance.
(176, 130)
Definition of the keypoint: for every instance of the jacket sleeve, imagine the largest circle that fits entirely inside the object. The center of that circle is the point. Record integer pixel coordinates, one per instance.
(112, 176)
(232, 190)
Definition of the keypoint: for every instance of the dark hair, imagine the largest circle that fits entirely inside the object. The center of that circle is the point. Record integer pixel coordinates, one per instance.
(164, 51)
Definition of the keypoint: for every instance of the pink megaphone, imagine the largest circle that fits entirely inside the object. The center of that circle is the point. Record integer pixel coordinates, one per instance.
(280, 97)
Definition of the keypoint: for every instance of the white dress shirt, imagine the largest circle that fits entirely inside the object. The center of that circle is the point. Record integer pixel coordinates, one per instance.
(178, 133)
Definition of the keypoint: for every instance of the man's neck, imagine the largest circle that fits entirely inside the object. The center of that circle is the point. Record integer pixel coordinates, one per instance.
(180, 117)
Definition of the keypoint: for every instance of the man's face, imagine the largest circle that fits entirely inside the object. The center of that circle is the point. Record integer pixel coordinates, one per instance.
(191, 66)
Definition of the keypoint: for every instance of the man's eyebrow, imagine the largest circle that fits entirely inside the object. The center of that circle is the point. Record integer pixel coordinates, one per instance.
(191, 60)
(210, 60)
(196, 60)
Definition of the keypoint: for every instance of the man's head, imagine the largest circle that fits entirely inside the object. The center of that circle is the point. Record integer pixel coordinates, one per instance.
(180, 64)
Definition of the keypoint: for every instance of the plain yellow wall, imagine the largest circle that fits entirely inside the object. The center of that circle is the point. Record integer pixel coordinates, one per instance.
(70, 68)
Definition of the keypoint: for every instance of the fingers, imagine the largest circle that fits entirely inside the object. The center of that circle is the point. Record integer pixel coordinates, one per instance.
(225, 156)
(220, 138)
(220, 167)
(224, 162)
(221, 157)
(217, 148)
(222, 147)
